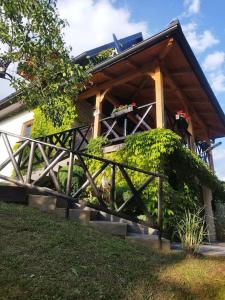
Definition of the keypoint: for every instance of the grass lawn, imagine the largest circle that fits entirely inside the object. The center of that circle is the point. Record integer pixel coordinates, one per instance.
(44, 257)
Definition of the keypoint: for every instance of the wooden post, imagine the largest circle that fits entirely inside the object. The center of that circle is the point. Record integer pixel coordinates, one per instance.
(160, 211)
(191, 131)
(112, 186)
(97, 115)
(98, 111)
(159, 96)
(211, 163)
(210, 156)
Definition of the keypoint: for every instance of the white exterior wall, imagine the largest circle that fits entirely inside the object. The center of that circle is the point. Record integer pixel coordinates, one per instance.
(14, 125)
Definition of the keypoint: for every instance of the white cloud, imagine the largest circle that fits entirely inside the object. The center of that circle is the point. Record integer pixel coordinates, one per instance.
(92, 23)
(219, 158)
(199, 41)
(5, 88)
(214, 66)
(217, 80)
(192, 6)
(214, 61)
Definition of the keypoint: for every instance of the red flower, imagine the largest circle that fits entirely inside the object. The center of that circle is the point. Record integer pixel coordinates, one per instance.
(182, 114)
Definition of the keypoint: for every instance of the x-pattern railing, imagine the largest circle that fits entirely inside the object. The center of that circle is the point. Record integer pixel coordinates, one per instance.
(132, 122)
(73, 139)
(202, 153)
(82, 159)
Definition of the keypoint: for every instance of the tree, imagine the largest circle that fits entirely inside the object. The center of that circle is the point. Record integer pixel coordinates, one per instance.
(31, 36)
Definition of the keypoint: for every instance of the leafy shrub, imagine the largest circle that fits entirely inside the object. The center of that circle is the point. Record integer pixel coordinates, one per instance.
(160, 150)
(77, 180)
(42, 126)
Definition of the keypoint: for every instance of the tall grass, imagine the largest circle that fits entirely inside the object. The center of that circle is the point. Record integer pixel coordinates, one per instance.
(191, 231)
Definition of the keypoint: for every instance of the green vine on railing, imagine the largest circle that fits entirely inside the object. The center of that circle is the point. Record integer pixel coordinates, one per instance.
(160, 150)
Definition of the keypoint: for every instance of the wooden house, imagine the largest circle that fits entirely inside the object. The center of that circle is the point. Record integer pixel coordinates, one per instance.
(150, 85)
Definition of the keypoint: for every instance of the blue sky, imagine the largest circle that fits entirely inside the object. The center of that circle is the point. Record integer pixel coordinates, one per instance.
(92, 23)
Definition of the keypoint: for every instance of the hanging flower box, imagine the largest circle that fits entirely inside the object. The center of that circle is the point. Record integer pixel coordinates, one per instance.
(123, 109)
(182, 120)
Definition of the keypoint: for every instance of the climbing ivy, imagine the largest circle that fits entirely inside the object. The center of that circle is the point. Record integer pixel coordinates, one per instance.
(160, 150)
(43, 126)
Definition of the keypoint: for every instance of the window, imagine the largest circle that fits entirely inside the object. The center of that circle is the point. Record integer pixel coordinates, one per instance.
(26, 129)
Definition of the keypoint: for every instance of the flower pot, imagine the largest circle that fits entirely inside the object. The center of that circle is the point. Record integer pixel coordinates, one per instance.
(182, 124)
(122, 111)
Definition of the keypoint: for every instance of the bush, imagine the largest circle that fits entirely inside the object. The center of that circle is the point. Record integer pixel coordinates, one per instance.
(42, 126)
(160, 150)
(77, 180)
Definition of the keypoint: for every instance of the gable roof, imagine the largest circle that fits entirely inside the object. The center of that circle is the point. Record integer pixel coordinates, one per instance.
(175, 32)
(123, 44)
(137, 51)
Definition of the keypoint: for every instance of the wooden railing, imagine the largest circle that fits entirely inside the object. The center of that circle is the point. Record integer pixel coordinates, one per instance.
(83, 160)
(73, 139)
(116, 128)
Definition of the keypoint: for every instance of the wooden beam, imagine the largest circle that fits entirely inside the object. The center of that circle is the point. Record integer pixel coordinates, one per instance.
(132, 64)
(98, 111)
(119, 80)
(108, 74)
(88, 93)
(140, 88)
(167, 49)
(130, 85)
(159, 96)
(190, 88)
(180, 71)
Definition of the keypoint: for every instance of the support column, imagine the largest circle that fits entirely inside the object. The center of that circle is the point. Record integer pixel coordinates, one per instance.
(191, 131)
(211, 163)
(97, 115)
(159, 96)
(209, 217)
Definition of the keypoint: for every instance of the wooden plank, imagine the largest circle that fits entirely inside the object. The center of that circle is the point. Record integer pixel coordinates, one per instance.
(141, 86)
(139, 190)
(119, 80)
(191, 131)
(87, 182)
(98, 111)
(112, 185)
(91, 180)
(180, 71)
(159, 96)
(88, 93)
(160, 209)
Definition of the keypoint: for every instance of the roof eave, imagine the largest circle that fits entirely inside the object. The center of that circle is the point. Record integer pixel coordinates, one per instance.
(175, 31)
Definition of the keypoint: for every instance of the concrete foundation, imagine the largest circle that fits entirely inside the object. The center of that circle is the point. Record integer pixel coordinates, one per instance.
(114, 228)
(79, 215)
(150, 241)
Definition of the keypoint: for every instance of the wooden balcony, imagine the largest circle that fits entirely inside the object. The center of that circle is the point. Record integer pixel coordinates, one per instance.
(127, 121)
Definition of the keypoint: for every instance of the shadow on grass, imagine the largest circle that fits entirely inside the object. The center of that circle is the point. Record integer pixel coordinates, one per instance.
(44, 257)
(183, 278)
